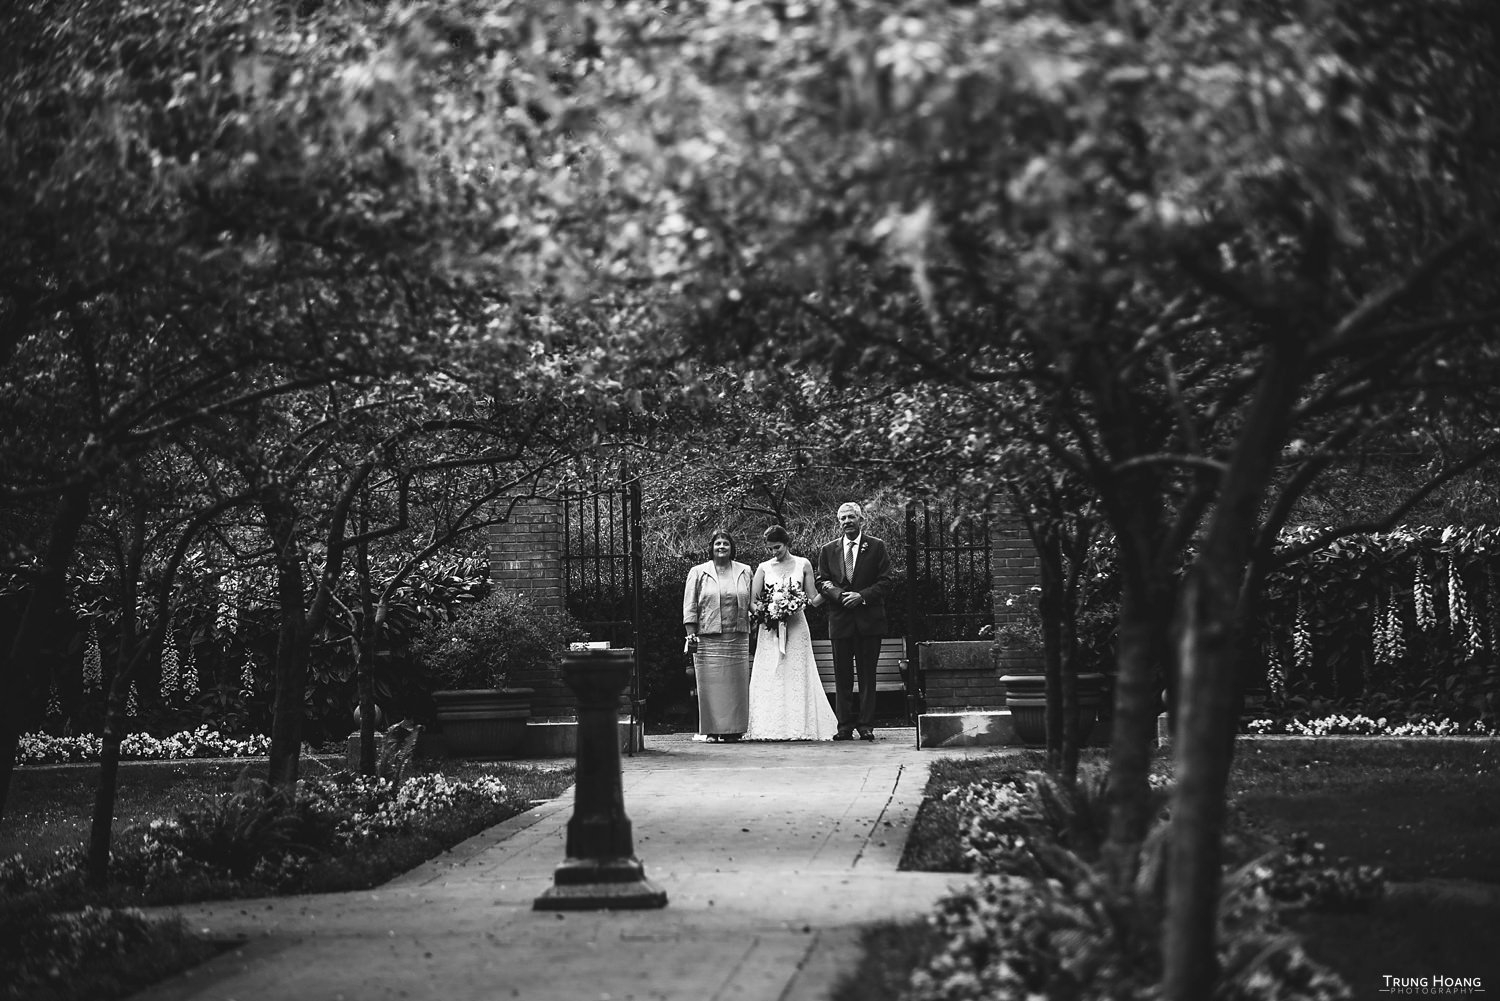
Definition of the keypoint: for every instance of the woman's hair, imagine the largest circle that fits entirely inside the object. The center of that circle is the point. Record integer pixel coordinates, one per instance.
(777, 534)
(721, 534)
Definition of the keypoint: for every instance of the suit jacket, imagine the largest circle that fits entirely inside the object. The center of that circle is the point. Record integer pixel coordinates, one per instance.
(872, 574)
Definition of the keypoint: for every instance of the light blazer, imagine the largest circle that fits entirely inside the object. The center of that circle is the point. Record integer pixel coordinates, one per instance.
(872, 574)
(700, 597)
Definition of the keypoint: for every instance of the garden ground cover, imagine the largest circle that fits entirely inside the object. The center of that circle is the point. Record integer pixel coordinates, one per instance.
(51, 807)
(1420, 809)
(48, 813)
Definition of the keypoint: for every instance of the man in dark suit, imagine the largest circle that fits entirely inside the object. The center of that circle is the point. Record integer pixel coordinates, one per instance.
(853, 572)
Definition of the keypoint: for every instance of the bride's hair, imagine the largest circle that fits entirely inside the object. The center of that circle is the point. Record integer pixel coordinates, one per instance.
(777, 534)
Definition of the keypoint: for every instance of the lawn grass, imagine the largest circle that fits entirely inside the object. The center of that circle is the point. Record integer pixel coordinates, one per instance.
(1420, 809)
(51, 807)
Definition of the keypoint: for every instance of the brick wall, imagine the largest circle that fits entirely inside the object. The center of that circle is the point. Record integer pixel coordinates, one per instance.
(526, 555)
(960, 675)
(1016, 571)
(526, 551)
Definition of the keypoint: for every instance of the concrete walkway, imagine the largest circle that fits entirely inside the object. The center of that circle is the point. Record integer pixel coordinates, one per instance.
(772, 857)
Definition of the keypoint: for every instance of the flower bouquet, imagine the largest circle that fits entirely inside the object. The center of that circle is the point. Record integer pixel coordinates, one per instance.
(779, 601)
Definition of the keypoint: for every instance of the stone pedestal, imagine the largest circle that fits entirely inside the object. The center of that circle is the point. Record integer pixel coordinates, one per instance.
(601, 871)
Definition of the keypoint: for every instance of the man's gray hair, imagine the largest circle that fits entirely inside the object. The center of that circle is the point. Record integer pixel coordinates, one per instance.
(851, 506)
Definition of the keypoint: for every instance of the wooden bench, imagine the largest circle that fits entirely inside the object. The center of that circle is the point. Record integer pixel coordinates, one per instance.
(890, 669)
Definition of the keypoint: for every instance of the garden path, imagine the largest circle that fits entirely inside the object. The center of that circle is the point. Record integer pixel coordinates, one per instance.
(772, 857)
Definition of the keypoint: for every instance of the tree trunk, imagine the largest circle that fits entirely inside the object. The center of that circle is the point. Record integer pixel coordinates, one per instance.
(1071, 742)
(1208, 678)
(365, 669)
(290, 671)
(129, 653)
(1198, 808)
(1049, 607)
(101, 828)
(36, 625)
(301, 619)
(1140, 654)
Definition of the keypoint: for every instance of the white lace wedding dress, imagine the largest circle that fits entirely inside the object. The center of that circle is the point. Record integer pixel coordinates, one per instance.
(787, 701)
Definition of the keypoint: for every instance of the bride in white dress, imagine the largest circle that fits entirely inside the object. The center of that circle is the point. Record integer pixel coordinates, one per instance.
(787, 701)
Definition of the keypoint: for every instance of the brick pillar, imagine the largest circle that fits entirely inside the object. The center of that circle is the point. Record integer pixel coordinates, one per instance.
(526, 551)
(1016, 570)
(526, 555)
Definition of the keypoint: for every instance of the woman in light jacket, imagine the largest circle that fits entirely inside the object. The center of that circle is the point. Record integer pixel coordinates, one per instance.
(716, 615)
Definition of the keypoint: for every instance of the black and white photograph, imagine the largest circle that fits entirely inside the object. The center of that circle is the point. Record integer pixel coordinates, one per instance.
(749, 500)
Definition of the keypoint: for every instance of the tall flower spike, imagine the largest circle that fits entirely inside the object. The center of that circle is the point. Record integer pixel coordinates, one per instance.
(93, 664)
(1275, 673)
(1395, 629)
(1491, 608)
(1421, 599)
(1302, 639)
(188, 681)
(170, 667)
(1463, 622)
(1381, 638)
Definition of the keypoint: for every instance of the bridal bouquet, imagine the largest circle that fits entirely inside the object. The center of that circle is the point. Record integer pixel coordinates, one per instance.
(779, 601)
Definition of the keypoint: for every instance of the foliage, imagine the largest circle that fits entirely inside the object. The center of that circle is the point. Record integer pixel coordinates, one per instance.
(44, 749)
(1046, 919)
(1301, 875)
(1341, 725)
(94, 954)
(61, 940)
(487, 642)
(220, 623)
(324, 834)
(1072, 931)
(253, 829)
(1401, 623)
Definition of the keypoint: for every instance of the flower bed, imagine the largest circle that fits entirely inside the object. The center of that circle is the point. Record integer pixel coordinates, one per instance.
(336, 833)
(44, 749)
(269, 837)
(1360, 725)
(1043, 919)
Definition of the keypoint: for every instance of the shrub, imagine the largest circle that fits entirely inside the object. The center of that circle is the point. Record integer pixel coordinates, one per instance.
(1070, 931)
(93, 953)
(486, 643)
(1301, 875)
(255, 826)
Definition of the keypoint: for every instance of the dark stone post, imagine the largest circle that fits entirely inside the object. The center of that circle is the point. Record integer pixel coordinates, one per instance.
(601, 871)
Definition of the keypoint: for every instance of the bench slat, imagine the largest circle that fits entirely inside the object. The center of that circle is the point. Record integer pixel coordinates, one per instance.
(887, 668)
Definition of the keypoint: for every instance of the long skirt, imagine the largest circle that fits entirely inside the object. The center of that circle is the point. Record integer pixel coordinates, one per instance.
(722, 665)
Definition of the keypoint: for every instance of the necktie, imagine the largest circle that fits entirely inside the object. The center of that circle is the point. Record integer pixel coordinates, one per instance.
(848, 561)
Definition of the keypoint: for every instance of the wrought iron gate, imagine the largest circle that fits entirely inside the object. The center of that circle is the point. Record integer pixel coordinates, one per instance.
(948, 575)
(601, 567)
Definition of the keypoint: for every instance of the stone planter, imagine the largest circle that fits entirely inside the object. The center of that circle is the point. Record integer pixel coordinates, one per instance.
(483, 722)
(1026, 698)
